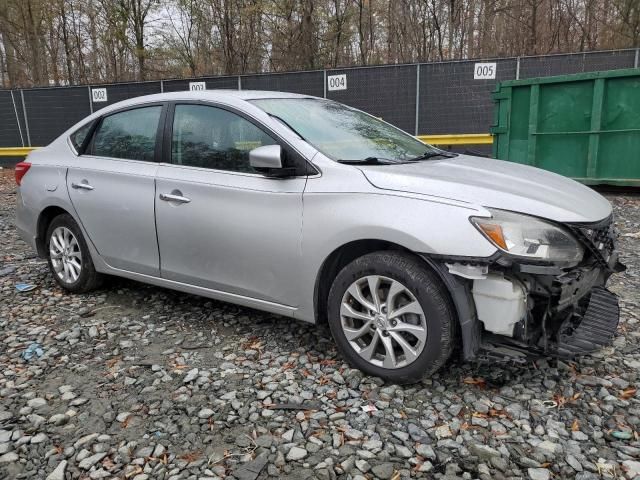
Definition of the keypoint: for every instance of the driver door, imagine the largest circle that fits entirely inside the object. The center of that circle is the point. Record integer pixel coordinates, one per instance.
(220, 224)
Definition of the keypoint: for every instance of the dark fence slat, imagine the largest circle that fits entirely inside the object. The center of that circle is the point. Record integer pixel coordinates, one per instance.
(50, 111)
(9, 130)
(451, 101)
(387, 92)
(306, 83)
(211, 83)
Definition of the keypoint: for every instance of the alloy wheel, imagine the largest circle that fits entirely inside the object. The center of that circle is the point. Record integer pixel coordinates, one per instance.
(65, 254)
(383, 321)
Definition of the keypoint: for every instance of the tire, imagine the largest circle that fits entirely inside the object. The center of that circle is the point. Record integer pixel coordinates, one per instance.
(427, 351)
(66, 230)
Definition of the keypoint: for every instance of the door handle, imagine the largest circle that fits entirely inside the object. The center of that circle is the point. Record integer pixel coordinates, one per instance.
(81, 186)
(169, 197)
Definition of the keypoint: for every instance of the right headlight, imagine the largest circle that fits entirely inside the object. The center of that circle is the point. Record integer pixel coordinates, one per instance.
(529, 237)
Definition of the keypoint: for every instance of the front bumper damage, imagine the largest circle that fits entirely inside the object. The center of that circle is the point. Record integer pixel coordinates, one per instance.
(510, 310)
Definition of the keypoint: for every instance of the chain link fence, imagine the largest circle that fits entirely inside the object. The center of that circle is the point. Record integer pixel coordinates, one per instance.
(427, 98)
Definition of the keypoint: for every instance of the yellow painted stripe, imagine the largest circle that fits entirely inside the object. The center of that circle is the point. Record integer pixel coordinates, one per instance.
(16, 151)
(458, 139)
(454, 139)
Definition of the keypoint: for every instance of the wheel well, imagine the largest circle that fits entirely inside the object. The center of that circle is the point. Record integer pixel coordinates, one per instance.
(44, 220)
(336, 261)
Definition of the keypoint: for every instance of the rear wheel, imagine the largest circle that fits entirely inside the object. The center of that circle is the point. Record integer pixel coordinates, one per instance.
(391, 317)
(68, 256)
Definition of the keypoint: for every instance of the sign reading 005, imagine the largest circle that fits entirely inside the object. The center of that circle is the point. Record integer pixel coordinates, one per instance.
(484, 71)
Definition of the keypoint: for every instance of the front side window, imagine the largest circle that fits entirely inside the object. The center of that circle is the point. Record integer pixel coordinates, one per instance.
(215, 138)
(129, 135)
(343, 133)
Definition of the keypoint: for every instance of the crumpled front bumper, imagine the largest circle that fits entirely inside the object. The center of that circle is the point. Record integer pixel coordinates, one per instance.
(594, 329)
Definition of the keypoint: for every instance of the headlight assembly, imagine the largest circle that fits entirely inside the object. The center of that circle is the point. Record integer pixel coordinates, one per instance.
(529, 237)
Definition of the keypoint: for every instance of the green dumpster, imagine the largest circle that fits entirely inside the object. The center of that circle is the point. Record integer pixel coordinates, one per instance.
(584, 126)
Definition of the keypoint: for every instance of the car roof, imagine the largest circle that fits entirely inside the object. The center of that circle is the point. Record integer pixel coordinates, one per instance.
(220, 94)
(227, 96)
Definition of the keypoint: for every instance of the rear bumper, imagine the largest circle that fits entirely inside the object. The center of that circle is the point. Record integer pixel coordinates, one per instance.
(25, 224)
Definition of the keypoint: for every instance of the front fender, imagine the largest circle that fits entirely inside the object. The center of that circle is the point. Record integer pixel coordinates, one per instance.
(332, 220)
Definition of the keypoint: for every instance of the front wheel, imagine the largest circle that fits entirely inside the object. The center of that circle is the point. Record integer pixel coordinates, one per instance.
(391, 317)
(68, 256)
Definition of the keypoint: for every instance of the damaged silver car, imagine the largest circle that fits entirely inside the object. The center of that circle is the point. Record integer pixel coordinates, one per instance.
(310, 209)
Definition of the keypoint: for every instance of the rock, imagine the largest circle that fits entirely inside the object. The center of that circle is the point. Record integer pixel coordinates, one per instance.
(59, 419)
(539, 474)
(384, 471)
(37, 403)
(288, 435)
(353, 434)
(144, 452)
(483, 452)
(549, 447)
(251, 470)
(39, 438)
(86, 440)
(9, 458)
(574, 463)
(403, 451)
(89, 462)
(417, 434)
(205, 413)
(631, 468)
(296, 453)
(579, 436)
(426, 451)
(191, 375)
(58, 472)
(363, 465)
(443, 431)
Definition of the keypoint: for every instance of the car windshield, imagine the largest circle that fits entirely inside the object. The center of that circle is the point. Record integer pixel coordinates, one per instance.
(345, 134)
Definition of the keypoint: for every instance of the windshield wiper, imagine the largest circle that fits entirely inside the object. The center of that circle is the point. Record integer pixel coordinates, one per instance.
(428, 155)
(370, 161)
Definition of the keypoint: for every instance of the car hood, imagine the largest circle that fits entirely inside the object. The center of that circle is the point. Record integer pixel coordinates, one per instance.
(494, 183)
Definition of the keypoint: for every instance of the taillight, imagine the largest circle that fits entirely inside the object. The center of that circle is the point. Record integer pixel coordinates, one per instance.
(21, 170)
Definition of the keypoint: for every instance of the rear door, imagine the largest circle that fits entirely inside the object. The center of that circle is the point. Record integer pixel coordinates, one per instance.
(112, 187)
(222, 225)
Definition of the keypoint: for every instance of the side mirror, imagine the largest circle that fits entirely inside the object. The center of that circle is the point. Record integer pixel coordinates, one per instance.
(266, 158)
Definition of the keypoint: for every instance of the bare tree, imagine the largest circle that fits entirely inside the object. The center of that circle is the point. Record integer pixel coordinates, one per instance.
(46, 42)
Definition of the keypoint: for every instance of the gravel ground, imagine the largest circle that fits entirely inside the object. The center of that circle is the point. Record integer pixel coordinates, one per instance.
(137, 382)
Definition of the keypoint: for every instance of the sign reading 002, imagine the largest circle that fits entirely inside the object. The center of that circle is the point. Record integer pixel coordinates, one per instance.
(337, 82)
(197, 86)
(98, 95)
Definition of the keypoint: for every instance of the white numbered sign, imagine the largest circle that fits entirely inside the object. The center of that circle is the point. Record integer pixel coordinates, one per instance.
(337, 82)
(484, 71)
(99, 95)
(197, 86)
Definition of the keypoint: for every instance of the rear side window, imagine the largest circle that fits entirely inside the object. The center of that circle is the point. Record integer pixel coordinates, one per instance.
(129, 135)
(78, 137)
(211, 137)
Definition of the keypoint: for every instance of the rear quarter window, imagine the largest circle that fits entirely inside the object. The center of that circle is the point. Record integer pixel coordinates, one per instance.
(79, 136)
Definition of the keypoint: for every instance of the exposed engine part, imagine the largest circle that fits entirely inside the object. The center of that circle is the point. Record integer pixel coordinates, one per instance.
(500, 303)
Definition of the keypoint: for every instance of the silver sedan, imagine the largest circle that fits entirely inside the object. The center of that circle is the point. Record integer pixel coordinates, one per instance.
(310, 209)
